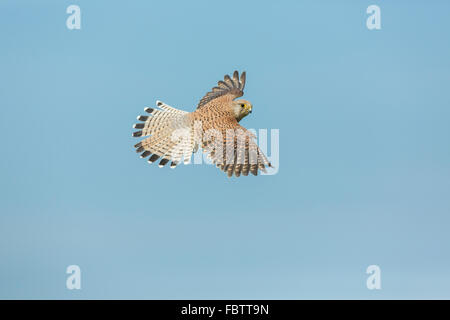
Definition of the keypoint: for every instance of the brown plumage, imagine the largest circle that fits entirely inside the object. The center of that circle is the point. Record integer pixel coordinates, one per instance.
(173, 135)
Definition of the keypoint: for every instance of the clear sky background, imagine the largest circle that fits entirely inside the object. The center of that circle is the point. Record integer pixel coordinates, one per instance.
(364, 173)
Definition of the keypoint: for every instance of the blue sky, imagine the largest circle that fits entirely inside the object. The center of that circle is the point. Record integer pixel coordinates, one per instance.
(364, 170)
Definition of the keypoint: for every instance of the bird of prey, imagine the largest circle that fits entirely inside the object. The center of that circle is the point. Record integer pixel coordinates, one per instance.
(173, 135)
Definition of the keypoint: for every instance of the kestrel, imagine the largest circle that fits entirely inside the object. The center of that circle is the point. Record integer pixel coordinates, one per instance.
(173, 135)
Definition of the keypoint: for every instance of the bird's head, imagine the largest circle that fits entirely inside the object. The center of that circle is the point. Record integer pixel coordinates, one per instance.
(241, 108)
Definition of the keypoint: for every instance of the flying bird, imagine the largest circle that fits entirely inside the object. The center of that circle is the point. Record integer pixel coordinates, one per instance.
(174, 135)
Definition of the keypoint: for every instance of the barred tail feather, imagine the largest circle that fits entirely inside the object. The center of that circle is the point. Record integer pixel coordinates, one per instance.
(168, 131)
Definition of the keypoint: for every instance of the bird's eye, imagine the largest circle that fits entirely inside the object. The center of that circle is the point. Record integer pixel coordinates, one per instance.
(242, 105)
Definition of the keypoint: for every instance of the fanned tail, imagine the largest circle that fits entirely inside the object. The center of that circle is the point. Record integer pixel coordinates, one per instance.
(169, 132)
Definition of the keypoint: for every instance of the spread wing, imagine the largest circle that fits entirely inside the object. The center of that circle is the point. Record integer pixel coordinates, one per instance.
(231, 88)
(233, 149)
